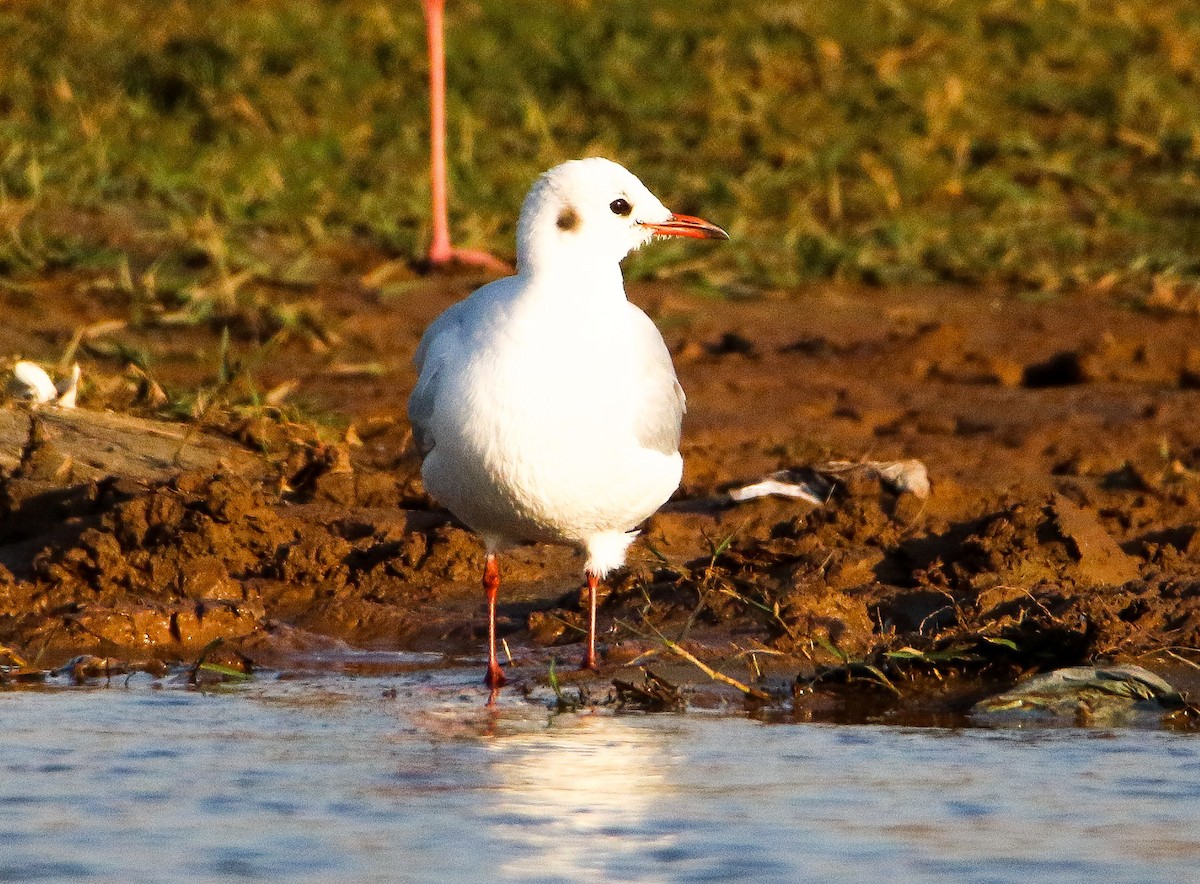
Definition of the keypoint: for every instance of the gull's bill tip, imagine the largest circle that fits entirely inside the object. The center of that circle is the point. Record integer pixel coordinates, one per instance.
(686, 225)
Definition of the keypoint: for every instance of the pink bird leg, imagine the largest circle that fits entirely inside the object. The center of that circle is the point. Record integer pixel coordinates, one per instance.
(441, 252)
(491, 585)
(589, 656)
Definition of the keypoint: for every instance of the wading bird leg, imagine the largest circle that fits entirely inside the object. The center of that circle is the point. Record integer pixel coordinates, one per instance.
(491, 585)
(589, 657)
(441, 252)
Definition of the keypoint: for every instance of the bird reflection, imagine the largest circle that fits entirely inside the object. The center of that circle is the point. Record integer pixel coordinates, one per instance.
(577, 799)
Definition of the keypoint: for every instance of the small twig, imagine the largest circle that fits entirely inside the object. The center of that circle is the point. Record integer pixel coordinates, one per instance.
(645, 655)
(1181, 658)
(712, 673)
(954, 608)
(699, 664)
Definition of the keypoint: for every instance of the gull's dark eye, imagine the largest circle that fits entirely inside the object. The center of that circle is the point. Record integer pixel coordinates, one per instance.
(620, 206)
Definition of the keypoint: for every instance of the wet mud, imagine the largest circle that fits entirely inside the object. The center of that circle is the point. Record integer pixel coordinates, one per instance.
(1061, 527)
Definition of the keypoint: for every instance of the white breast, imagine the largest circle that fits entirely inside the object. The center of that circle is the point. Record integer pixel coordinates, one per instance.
(534, 425)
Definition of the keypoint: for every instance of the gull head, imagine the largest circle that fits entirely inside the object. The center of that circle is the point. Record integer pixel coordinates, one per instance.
(588, 213)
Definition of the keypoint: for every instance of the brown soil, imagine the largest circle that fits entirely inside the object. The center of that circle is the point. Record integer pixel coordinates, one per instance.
(1060, 438)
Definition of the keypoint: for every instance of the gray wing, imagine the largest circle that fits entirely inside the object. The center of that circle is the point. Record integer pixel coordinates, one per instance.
(427, 361)
(661, 402)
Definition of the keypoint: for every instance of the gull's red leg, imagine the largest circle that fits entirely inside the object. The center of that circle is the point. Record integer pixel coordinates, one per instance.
(440, 250)
(491, 585)
(589, 656)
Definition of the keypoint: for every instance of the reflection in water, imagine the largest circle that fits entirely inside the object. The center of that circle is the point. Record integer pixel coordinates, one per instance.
(409, 778)
(574, 799)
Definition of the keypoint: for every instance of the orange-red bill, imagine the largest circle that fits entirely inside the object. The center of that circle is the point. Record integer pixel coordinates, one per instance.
(687, 225)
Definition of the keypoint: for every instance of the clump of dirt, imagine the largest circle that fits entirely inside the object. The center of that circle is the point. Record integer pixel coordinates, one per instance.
(873, 571)
(165, 568)
(307, 540)
(1026, 545)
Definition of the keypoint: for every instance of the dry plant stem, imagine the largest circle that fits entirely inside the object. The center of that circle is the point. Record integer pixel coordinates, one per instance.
(712, 673)
(491, 585)
(1181, 658)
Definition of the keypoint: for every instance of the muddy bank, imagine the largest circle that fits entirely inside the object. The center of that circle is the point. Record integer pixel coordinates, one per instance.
(1062, 524)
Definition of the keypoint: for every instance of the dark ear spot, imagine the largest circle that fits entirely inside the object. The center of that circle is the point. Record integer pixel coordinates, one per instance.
(568, 219)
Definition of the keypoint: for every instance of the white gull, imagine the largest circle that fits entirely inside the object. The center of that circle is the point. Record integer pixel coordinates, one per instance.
(546, 406)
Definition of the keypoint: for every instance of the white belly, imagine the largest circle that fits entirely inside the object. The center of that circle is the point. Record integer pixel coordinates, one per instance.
(538, 443)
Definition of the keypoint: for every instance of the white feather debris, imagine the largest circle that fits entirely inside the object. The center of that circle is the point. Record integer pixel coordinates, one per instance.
(815, 484)
(68, 389)
(901, 476)
(31, 383)
(768, 487)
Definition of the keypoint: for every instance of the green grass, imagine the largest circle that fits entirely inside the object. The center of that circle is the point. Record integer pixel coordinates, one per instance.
(1041, 145)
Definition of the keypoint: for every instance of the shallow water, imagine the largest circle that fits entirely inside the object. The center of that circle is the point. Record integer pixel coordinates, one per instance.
(408, 777)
